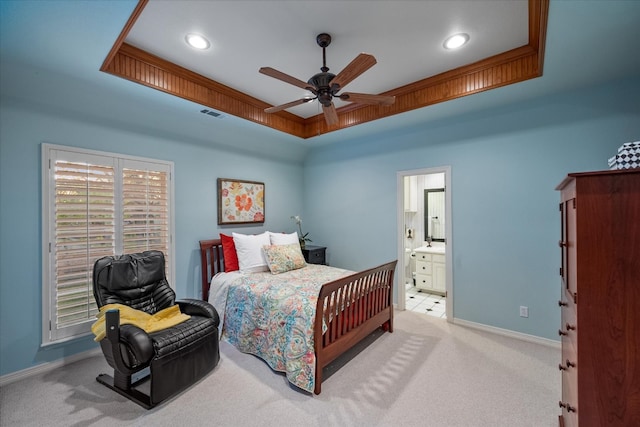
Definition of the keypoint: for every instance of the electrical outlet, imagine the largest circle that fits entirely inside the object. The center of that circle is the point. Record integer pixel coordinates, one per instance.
(524, 311)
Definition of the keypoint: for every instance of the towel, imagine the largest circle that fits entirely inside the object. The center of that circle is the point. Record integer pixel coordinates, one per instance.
(163, 319)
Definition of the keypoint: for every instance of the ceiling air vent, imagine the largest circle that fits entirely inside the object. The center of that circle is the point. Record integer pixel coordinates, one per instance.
(211, 113)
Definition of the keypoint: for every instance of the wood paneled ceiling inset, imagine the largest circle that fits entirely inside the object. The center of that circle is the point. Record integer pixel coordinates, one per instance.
(516, 65)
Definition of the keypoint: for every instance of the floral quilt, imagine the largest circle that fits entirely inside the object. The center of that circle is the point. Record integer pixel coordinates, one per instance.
(272, 316)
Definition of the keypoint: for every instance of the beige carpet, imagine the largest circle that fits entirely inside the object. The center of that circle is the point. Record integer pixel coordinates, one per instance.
(426, 373)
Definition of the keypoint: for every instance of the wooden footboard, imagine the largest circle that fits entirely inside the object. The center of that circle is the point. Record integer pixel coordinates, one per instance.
(350, 309)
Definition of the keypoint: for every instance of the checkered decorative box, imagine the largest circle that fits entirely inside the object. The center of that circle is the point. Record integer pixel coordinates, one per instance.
(628, 156)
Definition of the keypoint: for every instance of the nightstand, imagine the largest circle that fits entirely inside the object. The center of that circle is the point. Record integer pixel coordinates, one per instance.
(314, 254)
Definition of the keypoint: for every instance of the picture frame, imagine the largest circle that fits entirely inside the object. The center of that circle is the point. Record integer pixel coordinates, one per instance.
(240, 202)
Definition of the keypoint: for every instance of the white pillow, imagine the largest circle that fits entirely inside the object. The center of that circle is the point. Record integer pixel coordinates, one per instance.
(249, 249)
(284, 239)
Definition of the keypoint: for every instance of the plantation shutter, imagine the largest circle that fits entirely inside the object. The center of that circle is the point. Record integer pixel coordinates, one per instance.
(84, 231)
(99, 205)
(145, 210)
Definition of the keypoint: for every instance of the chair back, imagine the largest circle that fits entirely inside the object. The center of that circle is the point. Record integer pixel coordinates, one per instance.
(137, 280)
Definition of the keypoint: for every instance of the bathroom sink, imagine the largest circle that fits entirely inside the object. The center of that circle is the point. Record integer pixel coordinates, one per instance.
(431, 249)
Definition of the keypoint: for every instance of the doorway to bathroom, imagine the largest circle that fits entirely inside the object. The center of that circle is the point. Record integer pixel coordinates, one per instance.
(425, 279)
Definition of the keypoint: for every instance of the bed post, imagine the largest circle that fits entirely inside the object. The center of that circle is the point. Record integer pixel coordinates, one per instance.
(211, 263)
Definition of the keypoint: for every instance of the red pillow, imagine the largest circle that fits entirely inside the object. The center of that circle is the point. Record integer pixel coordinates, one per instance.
(229, 253)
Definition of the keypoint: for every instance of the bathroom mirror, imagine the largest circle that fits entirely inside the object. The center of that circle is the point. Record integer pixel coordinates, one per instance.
(434, 214)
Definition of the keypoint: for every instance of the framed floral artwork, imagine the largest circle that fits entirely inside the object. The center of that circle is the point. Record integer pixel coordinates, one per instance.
(240, 202)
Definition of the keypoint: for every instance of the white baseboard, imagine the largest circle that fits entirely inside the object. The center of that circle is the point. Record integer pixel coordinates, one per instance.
(46, 367)
(508, 333)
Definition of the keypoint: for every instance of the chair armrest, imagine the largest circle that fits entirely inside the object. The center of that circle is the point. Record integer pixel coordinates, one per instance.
(139, 345)
(196, 307)
(136, 342)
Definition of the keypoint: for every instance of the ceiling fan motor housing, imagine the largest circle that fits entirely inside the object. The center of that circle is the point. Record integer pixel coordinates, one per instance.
(325, 85)
(324, 92)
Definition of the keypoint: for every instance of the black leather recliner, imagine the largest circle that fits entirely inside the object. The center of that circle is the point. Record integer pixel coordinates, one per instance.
(176, 357)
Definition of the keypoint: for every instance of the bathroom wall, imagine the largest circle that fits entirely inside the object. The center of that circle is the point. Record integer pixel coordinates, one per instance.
(414, 212)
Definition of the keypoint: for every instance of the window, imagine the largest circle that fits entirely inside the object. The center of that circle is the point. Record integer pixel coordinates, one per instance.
(96, 204)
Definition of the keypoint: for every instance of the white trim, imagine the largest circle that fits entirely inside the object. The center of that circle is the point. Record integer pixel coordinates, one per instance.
(46, 367)
(448, 233)
(119, 161)
(401, 280)
(508, 333)
(71, 149)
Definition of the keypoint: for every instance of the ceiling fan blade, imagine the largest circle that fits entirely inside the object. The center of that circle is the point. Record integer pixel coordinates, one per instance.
(287, 105)
(364, 98)
(268, 71)
(359, 65)
(330, 114)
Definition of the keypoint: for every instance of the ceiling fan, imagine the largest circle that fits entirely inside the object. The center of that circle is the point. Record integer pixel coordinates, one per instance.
(325, 85)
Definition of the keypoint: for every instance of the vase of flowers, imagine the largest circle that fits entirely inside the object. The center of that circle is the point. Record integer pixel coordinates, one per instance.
(302, 237)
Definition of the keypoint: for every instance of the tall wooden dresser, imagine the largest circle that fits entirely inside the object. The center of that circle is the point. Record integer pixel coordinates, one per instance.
(600, 299)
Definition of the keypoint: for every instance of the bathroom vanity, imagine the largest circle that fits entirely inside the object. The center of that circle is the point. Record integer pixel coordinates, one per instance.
(431, 269)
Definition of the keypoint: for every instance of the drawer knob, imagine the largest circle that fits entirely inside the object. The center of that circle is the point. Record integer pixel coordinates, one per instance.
(561, 332)
(566, 406)
(562, 244)
(570, 327)
(562, 303)
(566, 366)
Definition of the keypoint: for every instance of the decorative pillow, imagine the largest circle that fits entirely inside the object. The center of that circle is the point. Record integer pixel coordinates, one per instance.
(282, 258)
(249, 249)
(229, 253)
(284, 239)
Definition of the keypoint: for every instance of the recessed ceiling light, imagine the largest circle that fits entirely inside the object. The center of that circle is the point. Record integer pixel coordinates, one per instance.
(456, 41)
(197, 41)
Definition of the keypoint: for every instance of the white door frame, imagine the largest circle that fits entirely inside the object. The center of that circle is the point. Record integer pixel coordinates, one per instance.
(448, 232)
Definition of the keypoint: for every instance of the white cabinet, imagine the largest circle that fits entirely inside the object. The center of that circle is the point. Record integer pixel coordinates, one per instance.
(431, 271)
(410, 193)
(439, 271)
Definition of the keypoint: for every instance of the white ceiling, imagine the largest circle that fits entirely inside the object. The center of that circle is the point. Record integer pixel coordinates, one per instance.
(51, 53)
(406, 37)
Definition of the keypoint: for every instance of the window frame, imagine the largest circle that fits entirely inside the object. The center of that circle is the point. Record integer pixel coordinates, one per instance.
(49, 282)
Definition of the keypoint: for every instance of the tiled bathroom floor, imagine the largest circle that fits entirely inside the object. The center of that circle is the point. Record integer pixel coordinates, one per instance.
(423, 302)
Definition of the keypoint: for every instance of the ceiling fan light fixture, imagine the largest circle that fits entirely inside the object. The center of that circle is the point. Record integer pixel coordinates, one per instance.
(456, 41)
(197, 41)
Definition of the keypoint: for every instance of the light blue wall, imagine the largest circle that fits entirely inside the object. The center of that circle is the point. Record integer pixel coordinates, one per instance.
(196, 170)
(505, 165)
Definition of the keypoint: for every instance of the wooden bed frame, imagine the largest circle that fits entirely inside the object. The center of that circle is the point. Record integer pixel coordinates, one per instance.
(351, 308)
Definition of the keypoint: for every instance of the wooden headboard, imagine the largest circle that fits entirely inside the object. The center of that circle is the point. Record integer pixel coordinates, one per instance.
(211, 261)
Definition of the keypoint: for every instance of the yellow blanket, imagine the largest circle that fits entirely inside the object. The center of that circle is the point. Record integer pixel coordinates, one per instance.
(163, 319)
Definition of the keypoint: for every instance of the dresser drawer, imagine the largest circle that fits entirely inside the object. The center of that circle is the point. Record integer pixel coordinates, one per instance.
(569, 325)
(423, 256)
(423, 267)
(424, 281)
(569, 368)
(568, 365)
